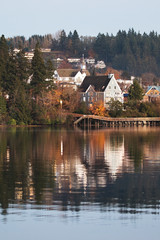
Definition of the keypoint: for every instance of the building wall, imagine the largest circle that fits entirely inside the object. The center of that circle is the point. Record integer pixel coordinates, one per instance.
(152, 95)
(89, 97)
(112, 91)
(79, 78)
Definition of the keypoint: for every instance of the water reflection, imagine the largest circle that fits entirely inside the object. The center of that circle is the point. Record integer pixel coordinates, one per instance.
(69, 169)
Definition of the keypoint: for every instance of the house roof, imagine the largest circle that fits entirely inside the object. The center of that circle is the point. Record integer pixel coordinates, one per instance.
(124, 86)
(70, 72)
(98, 82)
(86, 72)
(154, 88)
(67, 72)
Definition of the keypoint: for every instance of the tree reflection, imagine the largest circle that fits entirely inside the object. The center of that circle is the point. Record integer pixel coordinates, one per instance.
(67, 168)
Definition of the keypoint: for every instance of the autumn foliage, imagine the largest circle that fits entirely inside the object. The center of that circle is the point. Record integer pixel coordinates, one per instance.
(98, 109)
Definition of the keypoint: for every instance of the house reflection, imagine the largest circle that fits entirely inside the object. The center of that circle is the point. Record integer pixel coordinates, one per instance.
(69, 167)
(114, 152)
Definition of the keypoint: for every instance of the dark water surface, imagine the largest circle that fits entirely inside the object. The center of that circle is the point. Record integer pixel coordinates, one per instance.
(74, 184)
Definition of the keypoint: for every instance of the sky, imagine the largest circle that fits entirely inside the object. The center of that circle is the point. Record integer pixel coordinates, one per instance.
(88, 17)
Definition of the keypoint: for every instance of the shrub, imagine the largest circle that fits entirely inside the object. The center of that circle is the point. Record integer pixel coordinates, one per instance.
(12, 122)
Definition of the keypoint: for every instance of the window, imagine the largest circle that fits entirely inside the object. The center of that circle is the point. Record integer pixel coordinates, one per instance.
(114, 87)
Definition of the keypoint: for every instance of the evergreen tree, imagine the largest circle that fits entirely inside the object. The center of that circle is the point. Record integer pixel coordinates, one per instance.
(135, 91)
(75, 43)
(100, 46)
(49, 69)
(115, 108)
(20, 108)
(38, 82)
(4, 57)
(11, 82)
(63, 41)
(49, 74)
(3, 109)
(18, 103)
(23, 67)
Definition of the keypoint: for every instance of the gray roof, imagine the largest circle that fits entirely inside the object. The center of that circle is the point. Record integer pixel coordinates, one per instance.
(98, 82)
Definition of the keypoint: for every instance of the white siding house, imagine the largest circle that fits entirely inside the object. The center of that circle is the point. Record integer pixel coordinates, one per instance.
(100, 89)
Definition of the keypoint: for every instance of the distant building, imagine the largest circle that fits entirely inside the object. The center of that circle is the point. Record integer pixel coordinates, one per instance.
(29, 55)
(90, 61)
(70, 77)
(125, 85)
(152, 94)
(16, 50)
(46, 50)
(100, 65)
(74, 60)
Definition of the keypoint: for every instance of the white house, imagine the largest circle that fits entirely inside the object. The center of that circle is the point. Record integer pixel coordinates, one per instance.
(70, 76)
(100, 64)
(100, 89)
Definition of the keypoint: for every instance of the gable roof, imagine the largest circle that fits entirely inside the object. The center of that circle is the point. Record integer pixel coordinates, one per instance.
(98, 82)
(67, 72)
(124, 86)
(154, 88)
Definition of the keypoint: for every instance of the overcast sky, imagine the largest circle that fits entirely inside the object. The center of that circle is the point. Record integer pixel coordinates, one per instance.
(88, 17)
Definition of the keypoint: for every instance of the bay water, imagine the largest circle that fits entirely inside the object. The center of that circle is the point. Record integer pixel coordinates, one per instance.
(79, 184)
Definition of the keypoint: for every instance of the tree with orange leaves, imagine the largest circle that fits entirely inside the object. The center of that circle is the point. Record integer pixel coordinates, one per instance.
(56, 101)
(98, 109)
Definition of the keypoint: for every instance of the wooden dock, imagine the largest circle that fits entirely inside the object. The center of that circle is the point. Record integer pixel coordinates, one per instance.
(88, 121)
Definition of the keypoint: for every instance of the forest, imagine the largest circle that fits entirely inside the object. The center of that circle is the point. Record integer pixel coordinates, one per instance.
(28, 94)
(129, 51)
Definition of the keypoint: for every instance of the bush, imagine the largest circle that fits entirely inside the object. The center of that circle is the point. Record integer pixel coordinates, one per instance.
(21, 123)
(12, 122)
(115, 108)
(82, 108)
(149, 109)
(69, 120)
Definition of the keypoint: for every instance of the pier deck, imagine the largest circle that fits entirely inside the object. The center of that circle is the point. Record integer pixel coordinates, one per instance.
(99, 121)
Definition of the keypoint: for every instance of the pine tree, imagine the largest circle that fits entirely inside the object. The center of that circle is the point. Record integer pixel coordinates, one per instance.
(63, 41)
(11, 81)
(4, 57)
(75, 43)
(49, 75)
(135, 91)
(49, 69)
(38, 82)
(23, 67)
(20, 107)
(3, 110)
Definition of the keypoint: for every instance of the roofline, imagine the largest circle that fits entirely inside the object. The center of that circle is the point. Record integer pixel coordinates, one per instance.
(150, 87)
(88, 88)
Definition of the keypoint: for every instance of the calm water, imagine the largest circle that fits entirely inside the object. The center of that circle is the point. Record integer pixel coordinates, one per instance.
(74, 184)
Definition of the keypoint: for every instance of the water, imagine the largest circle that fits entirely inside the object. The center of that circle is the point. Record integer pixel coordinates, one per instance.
(74, 184)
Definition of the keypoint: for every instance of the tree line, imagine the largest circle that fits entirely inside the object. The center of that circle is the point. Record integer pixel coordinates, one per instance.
(129, 51)
(28, 94)
(25, 88)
